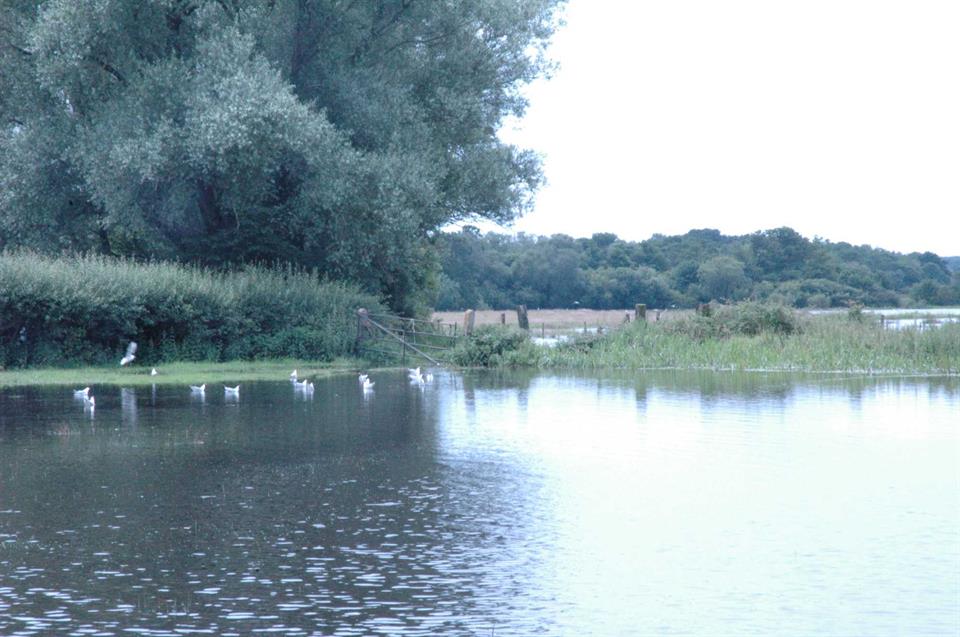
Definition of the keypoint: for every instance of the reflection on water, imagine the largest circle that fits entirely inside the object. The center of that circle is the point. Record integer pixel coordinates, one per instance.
(485, 504)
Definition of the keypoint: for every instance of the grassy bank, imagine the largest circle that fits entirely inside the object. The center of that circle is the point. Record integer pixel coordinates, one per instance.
(747, 339)
(83, 310)
(184, 373)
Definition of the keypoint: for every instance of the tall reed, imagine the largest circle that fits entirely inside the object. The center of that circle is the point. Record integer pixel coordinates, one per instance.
(813, 343)
(83, 309)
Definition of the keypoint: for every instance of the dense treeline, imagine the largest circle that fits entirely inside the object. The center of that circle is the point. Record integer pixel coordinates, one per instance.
(74, 310)
(336, 136)
(605, 272)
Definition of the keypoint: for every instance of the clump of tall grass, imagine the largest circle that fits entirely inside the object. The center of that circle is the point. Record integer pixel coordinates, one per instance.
(758, 338)
(84, 310)
(748, 318)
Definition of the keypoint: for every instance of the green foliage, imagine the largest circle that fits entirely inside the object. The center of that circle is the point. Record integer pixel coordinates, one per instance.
(748, 319)
(490, 345)
(605, 272)
(722, 277)
(336, 136)
(85, 309)
(830, 343)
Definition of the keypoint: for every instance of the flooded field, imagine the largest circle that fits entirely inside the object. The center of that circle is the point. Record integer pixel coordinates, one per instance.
(485, 504)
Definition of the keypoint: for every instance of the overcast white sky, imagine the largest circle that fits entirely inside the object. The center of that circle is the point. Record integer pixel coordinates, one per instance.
(838, 118)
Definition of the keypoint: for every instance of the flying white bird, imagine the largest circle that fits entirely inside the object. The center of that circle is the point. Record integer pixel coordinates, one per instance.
(81, 393)
(129, 356)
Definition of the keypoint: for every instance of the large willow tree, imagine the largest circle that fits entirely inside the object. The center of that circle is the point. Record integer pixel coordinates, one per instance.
(336, 134)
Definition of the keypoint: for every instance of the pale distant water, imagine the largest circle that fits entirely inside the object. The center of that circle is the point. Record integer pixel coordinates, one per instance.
(488, 505)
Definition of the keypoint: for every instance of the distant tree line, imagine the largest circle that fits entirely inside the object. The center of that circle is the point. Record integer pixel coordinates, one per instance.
(605, 272)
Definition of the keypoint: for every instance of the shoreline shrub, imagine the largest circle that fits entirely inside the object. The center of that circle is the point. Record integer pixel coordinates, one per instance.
(488, 346)
(79, 309)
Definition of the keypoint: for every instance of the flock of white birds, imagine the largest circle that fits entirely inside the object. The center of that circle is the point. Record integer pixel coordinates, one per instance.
(415, 375)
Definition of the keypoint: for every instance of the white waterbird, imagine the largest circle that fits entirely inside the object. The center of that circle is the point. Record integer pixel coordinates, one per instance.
(194, 389)
(90, 402)
(293, 375)
(153, 371)
(362, 378)
(129, 356)
(231, 391)
(81, 393)
(367, 384)
(305, 385)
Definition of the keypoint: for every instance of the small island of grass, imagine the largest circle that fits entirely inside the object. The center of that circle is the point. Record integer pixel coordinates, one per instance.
(746, 336)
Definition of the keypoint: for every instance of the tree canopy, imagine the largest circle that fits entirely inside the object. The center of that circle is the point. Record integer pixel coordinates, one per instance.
(605, 272)
(335, 134)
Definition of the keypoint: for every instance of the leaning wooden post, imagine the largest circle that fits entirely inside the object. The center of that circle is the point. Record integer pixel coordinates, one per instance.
(641, 312)
(468, 320)
(363, 318)
(522, 317)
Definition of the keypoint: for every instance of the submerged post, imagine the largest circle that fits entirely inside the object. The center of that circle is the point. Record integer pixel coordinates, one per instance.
(522, 317)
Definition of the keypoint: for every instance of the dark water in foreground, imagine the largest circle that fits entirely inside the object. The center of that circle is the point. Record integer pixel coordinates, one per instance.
(657, 504)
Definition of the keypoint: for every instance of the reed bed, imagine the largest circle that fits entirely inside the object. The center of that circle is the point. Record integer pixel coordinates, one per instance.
(82, 310)
(833, 343)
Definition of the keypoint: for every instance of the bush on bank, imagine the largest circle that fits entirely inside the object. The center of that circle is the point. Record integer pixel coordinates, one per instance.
(490, 345)
(85, 309)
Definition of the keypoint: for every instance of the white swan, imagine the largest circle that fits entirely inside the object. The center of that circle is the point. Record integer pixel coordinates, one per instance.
(81, 393)
(129, 356)
(367, 384)
(195, 389)
(293, 375)
(154, 372)
(90, 402)
(231, 391)
(362, 378)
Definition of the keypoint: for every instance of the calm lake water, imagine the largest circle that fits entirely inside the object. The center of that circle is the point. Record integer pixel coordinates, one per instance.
(486, 504)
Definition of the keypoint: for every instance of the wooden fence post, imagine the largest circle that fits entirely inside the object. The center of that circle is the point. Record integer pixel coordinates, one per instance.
(503, 318)
(641, 312)
(468, 319)
(522, 317)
